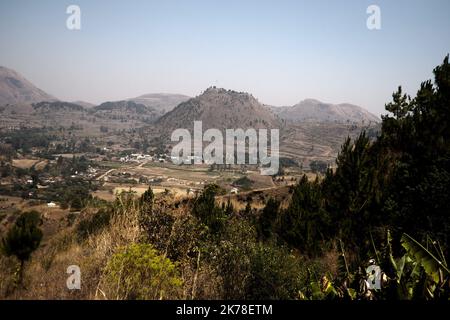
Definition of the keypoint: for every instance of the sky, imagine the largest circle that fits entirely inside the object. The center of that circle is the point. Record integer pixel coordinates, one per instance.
(280, 51)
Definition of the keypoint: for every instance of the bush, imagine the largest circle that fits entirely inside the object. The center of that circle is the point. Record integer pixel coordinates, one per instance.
(244, 183)
(275, 274)
(93, 224)
(253, 270)
(231, 257)
(139, 272)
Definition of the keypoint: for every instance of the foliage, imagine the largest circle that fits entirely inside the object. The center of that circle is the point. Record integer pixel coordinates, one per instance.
(304, 223)
(139, 272)
(206, 209)
(147, 197)
(400, 181)
(250, 269)
(416, 275)
(244, 183)
(275, 274)
(433, 266)
(318, 166)
(24, 237)
(93, 223)
(268, 218)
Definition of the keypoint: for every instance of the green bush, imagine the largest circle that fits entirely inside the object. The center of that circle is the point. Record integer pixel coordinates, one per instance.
(139, 272)
(254, 270)
(275, 274)
(93, 224)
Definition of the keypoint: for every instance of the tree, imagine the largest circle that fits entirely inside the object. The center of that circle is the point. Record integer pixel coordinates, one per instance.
(23, 238)
(229, 209)
(268, 218)
(147, 197)
(318, 166)
(207, 211)
(416, 136)
(353, 193)
(76, 204)
(305, 223)
(248, 209)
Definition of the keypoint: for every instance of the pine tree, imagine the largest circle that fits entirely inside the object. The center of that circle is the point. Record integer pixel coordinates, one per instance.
(23, 238)
(268, 218)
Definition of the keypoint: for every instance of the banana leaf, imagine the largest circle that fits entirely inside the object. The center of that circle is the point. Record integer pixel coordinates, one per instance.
(424, 257)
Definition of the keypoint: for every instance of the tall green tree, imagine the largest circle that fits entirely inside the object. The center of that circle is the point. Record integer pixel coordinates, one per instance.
(206, 209)
(23, 238)
(305, 223)
(268, 218)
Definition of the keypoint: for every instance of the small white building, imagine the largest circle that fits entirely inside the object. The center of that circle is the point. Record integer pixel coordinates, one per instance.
(51, 205)
(234, 191)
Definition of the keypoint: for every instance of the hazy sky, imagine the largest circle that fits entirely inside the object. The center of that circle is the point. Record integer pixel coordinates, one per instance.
(280, 51)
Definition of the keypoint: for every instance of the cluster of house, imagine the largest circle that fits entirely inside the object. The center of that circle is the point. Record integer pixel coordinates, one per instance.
(139, 157)
(90, 173)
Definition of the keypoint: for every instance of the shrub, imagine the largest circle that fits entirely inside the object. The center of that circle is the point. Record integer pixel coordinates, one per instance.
(274, 274)
(244, 183)
(139, 272)
(93, 224)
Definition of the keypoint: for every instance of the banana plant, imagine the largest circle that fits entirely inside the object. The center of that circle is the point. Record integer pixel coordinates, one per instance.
(434, 278)
(436, 268)
(421, 273)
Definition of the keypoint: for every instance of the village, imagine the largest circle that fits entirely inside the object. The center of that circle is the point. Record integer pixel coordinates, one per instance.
(51, 181)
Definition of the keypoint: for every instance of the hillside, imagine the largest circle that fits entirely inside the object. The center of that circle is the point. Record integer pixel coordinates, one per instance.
(15, 89)
(126, 109)
(84, 104)
(221, 109)
(311, 110)
(161, 102)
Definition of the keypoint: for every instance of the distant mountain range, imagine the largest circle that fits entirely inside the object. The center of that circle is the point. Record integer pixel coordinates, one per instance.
(310, 130)
(15, 89)
(218, 108)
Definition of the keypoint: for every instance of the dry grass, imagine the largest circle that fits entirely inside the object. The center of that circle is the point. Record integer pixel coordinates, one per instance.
(24, 163)
(45, 274)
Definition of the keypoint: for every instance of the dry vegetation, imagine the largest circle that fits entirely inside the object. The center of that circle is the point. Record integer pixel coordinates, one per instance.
(171, 229)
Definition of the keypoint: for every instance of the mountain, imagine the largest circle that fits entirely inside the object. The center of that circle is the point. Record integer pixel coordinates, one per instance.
(221, 109)
(123, 106)
(15, 89)
(84, 104)
(57, 106)
(126, 110)
(311, 110)
(161, 102)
